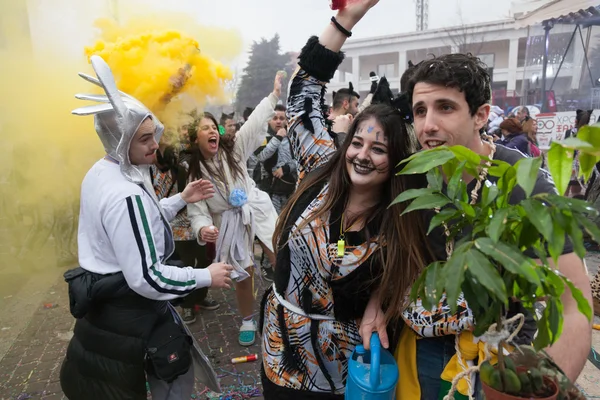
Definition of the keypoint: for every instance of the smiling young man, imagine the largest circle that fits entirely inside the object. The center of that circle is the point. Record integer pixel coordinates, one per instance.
(450, 98)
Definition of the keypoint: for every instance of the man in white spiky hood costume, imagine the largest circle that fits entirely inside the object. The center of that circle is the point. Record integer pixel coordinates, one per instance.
(120, 293)
(117, 119)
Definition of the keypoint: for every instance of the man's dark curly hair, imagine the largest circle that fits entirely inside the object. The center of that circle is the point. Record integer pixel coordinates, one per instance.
(464, 72)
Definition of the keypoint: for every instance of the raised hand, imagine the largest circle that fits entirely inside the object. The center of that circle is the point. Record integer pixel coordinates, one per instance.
(198, 190)
(354, 11)
(278, 83)
(341, 123)
(347, 17)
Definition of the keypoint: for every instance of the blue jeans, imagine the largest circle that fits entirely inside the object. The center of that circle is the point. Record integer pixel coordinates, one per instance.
(432, 356)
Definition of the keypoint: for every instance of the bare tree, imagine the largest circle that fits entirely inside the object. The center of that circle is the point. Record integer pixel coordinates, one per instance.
(465, 37)
(231, 86)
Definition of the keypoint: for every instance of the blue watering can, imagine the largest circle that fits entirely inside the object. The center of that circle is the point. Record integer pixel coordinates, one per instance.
(372, 375)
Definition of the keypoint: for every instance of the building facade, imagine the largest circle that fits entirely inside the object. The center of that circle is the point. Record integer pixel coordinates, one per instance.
(512, 52)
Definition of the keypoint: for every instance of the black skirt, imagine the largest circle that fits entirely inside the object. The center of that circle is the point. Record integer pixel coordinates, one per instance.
(272, 391)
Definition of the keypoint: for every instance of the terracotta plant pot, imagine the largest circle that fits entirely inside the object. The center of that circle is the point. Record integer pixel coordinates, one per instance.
(493, 394)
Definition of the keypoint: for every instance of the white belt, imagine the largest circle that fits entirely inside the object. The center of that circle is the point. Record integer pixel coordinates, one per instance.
(298, 310)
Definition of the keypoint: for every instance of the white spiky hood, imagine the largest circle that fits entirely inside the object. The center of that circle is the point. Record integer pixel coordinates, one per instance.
(116, 119)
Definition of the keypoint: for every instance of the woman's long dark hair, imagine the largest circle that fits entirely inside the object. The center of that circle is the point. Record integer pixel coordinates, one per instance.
(405, 255)
(226, 144)
(582, 118)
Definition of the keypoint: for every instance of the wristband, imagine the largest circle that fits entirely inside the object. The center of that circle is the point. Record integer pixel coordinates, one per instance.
(340, 28)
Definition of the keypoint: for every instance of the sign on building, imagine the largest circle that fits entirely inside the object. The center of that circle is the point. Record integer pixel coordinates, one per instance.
(553, 126)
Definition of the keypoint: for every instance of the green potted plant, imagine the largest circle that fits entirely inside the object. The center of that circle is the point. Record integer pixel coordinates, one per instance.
(488, 265)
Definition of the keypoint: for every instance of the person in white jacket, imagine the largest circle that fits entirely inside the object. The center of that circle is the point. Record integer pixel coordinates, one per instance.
(124, 237)
(239, 211)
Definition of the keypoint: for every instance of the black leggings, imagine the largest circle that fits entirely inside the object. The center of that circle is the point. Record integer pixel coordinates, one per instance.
(194, 255)
(272, 391)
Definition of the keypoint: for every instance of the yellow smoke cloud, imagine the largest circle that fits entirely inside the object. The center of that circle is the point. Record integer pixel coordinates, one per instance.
(46, 151)
(170, 71)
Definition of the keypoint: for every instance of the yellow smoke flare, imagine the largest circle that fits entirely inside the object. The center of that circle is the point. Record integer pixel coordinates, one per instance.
(164, 68)
(45, 150)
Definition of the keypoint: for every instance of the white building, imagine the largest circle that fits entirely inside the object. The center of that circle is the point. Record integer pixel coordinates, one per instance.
(511, 48)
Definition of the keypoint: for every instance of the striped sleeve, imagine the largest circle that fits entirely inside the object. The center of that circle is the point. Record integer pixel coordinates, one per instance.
(312, 144)
(128, 225)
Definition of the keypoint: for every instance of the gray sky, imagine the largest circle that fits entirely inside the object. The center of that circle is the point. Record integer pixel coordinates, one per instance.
(296, 20)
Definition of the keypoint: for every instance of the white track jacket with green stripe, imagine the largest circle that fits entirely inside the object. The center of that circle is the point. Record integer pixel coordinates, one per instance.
(123, 228)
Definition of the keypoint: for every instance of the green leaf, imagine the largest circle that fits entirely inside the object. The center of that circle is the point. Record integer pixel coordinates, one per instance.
(527, 173)
(509, 257)
(434, 283)
(455, 182)
(542, 340)
(561, 224)
(420, 154)
(450, 167)
(411, 194)
(506, 184)
(498, 168)
(466, 208)
(555, 320)
(435, 179)
(471, 159)
(454, 275)
(426, 160)
(463, 153)
(557, 243)
(590, 227)
(497, 224)
(474, 294)
(489, 194)
(571, 204)
(552, 281)
(576, 236)
(539, 215)
(586, 165)
(445, 215)
(486, 274)
(560, 164)
(582, 304)
(529, 235)
(590, 134)
(576, 143)
(486, 320)
(426, 202)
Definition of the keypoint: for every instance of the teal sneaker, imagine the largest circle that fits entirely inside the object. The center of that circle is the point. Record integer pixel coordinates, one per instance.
(247, 333)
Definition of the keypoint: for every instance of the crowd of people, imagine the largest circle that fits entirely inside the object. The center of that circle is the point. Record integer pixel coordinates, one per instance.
(311, 185)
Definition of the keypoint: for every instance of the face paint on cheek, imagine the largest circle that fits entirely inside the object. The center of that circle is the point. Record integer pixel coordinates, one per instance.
(383, 169)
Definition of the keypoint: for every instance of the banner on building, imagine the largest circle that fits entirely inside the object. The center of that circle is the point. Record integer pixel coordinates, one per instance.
(553, 126)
